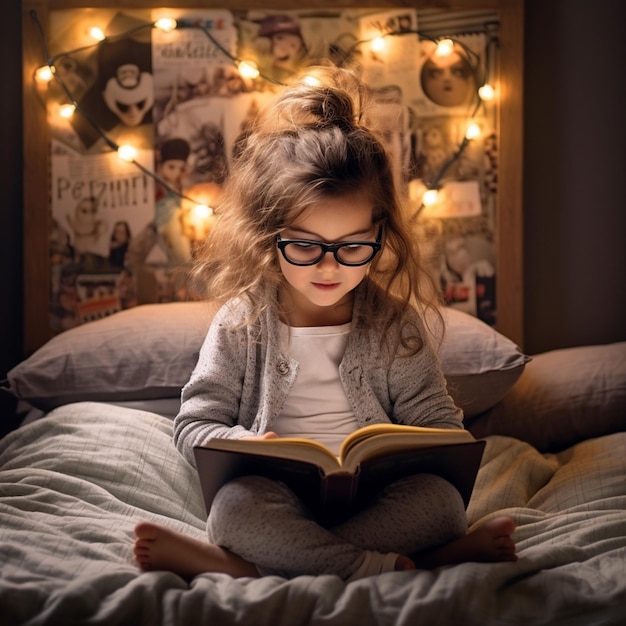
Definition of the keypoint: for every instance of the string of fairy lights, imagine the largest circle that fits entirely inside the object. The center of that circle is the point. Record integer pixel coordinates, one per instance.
(248, 69)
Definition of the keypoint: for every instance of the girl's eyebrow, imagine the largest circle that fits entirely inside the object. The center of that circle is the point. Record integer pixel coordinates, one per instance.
(310, 234)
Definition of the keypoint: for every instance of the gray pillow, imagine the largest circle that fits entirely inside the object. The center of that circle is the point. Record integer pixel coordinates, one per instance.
(563, 397)
(479, 363)
(149, 351)
(142, 353)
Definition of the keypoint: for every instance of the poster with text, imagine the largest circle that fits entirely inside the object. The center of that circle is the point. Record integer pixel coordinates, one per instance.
(125, 231)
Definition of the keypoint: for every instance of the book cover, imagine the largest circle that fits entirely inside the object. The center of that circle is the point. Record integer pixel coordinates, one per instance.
(332, 488)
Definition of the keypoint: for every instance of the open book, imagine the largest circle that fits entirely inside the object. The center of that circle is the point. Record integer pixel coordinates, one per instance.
(370, 458)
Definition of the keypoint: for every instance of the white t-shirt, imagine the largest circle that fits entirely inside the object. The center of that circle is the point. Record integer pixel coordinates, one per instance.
(317, 407)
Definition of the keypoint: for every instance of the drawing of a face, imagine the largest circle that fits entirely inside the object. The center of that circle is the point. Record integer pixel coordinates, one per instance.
(85, 216)
(74, 74)
(129, 94)
(287, 45)
(121, 233)
(457, 255)
(172, 171)
(448, 80)
(286, 48)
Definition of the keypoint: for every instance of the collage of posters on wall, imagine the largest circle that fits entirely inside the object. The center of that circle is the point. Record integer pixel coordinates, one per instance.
(121, 236)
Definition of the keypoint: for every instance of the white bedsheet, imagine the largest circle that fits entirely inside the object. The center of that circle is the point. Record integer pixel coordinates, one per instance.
(73, 484)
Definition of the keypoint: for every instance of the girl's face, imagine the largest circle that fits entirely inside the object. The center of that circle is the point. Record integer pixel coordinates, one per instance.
(321, 294)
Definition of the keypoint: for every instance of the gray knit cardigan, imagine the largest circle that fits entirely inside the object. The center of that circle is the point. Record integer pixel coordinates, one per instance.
(244, 374)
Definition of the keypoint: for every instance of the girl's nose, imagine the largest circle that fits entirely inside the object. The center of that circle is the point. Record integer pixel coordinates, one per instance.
(328, 261)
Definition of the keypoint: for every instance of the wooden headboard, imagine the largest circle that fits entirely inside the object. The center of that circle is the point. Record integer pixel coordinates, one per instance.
(508, 235)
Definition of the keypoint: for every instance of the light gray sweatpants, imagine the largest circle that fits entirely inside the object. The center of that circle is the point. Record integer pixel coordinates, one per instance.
(263, 521)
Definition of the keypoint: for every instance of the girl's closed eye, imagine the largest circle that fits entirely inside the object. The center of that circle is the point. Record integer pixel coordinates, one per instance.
(355, 249)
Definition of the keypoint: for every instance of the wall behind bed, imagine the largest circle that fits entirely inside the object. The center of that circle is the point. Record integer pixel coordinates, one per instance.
(573, 207)
(75, 272)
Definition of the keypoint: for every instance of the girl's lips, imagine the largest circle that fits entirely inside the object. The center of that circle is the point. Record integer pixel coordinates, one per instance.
(326, 286)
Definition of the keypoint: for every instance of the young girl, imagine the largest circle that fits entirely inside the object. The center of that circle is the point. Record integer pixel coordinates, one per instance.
(321, 333)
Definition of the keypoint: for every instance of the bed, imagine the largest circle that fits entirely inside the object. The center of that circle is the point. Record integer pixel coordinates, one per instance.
(94, 456)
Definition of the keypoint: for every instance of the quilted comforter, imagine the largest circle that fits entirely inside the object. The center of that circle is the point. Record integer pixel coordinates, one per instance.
(74, 483)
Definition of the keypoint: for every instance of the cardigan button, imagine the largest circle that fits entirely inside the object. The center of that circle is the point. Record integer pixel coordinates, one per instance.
(283, 368)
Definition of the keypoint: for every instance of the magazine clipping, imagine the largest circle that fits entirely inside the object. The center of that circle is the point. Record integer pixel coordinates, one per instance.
(124, 232)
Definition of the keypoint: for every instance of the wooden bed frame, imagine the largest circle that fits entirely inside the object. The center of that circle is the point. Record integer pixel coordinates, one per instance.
(509, 209)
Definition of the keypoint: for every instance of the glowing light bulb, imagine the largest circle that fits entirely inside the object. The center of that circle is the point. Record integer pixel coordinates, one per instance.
(486, 92)
(311, 81)
(127, 153)
(248, 69)
(473, 131)
(201, 212)
(96, 33)
(430, 197)
(444, 47)
(378, 44)
(44, 74)
(166, 24)
(66, 111)
(198, 216)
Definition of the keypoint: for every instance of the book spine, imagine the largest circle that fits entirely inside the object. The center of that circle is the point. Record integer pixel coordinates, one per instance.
(338, 493)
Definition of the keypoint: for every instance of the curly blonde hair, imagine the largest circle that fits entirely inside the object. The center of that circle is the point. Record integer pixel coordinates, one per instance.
(309, 145)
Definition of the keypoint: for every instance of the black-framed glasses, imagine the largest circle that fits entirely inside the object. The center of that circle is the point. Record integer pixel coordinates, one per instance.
(308, 252)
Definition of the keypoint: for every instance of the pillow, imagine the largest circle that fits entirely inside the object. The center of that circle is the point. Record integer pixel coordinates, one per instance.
(149, 351)
(479, 363)
(563, 397)
(142, 353)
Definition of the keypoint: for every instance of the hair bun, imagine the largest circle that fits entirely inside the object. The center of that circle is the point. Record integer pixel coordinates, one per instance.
(336, 108)
(321, 97)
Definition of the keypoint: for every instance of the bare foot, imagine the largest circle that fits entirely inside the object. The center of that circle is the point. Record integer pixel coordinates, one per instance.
(489, 543)
(404, 564)
(161, 548)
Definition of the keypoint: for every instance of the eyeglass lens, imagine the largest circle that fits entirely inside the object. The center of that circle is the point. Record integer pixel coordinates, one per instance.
(348, 253)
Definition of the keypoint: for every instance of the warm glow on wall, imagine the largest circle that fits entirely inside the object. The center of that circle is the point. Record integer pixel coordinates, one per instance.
(486, 92)
(377, 44)
(473, 131)
(67, 110)
(44, 74)
(312, 81)
(165, 24)
(97, 33)
(127, 153)
(445, 47)
(248, 69)
(197, 212)
(430, 197)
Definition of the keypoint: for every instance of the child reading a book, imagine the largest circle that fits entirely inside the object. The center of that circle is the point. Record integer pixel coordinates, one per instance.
(321, 333)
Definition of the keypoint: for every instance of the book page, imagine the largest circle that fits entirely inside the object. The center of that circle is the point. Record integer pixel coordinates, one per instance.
(379, 439)
(375, 432)
(369, 441)
(296, 448)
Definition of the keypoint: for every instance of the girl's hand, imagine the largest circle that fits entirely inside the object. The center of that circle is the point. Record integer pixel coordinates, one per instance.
(268, 435)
